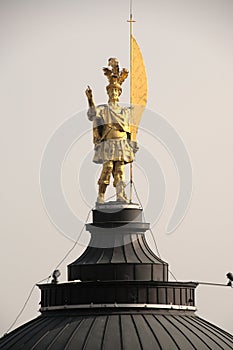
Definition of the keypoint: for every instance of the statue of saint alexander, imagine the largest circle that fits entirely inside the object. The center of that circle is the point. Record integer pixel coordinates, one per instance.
(111, 133)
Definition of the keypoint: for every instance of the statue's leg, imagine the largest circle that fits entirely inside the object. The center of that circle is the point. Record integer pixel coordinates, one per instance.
(104, 180)
(119, 181)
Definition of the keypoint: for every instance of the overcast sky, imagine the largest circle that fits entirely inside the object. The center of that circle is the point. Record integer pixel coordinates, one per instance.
(50, 51)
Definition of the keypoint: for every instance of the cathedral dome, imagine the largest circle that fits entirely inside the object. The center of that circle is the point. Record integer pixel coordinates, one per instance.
(118, 297)
(118, 329)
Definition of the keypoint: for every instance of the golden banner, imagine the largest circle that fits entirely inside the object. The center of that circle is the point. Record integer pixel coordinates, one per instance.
(138, 87)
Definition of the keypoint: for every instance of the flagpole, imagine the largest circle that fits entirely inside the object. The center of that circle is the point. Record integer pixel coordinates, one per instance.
(131, 63)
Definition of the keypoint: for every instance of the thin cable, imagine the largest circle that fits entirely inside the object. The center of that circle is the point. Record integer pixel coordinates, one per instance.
(117, 192)
(24, 305)
(157, 249)
(137, 196)
(172, 274)
(48, 277)
(153, 237)
(213, 284)
(151, 232)
(75, 243)
(144, 218)
(155, 243)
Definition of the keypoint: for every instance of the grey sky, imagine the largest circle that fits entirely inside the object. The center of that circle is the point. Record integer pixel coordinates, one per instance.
(50, 51)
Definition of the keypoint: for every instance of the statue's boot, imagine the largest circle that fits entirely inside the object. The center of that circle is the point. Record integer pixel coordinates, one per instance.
(120, 192)
(102, 190)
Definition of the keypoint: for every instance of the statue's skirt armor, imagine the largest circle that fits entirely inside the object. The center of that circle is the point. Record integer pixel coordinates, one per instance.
(115, 150)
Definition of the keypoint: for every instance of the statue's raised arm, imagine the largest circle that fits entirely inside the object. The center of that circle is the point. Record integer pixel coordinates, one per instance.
(92, 110)
(89, 96)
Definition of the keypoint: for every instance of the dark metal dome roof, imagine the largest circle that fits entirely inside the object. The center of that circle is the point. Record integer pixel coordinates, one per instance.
(118, 249)
(118, 297)
(136, 251)
(118, 330)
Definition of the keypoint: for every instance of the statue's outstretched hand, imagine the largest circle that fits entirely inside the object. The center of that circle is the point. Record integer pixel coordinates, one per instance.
(89, 93)
(90, 97)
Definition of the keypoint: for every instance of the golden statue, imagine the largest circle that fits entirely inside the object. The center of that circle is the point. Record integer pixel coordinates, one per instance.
(111, 133)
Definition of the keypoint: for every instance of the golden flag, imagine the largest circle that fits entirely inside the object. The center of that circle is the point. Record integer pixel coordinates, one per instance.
(138, 87)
